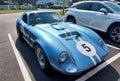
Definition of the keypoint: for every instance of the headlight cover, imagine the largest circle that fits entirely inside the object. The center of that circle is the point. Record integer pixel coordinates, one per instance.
(101, 42)
(63, 56)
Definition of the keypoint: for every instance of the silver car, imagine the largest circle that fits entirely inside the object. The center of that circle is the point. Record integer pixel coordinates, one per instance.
(99, 15)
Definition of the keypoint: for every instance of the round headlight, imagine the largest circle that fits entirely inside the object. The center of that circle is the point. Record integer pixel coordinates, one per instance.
(63, 56)
(101, 42)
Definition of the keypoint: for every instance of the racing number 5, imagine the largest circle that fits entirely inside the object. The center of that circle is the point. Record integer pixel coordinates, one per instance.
(86, 47)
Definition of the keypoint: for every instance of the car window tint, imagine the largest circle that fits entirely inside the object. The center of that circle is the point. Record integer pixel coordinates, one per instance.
(74, 6)
(46, 17)
(98, 6)
(113, 6)
(118, 4)
(24, 18)
(85, 6)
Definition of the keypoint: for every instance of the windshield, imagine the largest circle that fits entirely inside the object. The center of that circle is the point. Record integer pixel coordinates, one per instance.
(113, 6)
(44, 17)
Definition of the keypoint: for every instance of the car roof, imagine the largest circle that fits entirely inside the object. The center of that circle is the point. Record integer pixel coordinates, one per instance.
(89, 2)
(38, 11)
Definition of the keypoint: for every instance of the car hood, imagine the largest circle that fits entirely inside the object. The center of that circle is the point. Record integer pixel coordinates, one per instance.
(83, 49)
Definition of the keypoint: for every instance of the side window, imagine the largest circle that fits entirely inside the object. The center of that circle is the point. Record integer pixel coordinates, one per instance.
(24, 18)
(85, 6)
(98, 6)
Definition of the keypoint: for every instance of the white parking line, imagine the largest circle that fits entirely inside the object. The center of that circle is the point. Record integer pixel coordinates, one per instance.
(98, 68)
(23, 69)
(113, 47)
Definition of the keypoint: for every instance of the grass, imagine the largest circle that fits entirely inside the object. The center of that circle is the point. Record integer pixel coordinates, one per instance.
(11, 11)
(60, 13)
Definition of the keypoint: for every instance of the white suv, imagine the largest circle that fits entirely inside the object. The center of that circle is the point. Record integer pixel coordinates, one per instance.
(99, 15)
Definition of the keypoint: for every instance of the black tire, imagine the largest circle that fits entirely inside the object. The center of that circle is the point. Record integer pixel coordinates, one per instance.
(71, 19)
(42, 59)
(19, 33)
(114, 33)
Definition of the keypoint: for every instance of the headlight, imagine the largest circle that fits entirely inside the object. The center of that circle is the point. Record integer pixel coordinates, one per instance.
(63, 56)
(101, 42)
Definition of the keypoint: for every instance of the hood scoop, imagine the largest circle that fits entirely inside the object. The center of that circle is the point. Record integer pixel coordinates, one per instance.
(70, 35)
(58, 27)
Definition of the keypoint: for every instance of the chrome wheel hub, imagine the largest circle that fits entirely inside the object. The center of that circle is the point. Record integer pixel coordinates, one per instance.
(40, 57)
(115, 35)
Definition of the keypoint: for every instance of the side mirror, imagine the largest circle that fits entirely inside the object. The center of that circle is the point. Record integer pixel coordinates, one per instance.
(104, 10)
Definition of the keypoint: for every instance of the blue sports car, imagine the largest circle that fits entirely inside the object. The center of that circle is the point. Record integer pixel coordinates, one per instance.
(64, 46)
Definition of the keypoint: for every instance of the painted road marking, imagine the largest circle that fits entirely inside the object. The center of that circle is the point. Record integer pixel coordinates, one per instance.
(98, 68)
(23, 69)
(113, 47)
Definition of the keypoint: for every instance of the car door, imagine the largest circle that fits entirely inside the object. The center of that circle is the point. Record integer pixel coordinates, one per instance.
(26, 29)
(24, 25)
(100, 20)
(84, 13)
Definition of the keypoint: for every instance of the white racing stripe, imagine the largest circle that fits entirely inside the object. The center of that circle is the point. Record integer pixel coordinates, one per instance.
(83, 51)
(98, 68)
(113, 47)
(23, 69)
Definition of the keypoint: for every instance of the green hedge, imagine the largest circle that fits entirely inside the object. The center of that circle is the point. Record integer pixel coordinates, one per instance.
(11, 11)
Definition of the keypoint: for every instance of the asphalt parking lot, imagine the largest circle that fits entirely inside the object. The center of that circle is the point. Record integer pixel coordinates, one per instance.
(14, 51)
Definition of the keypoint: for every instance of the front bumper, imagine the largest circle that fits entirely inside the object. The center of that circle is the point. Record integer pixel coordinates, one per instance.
(73, 70)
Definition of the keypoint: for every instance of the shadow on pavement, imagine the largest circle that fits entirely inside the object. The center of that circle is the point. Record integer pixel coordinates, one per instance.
(106, 74)
(52, 75)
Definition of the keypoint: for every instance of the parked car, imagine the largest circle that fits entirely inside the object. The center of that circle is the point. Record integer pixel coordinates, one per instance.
(99, 15)
(66, 47)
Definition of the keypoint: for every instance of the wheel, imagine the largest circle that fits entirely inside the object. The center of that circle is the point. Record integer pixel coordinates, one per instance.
(42, 59)
(114, 33)
(71, 19)
(19, 33)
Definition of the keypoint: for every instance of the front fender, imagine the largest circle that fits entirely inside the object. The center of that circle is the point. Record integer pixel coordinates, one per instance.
(94, 37)
(51, 46)
(91, 34)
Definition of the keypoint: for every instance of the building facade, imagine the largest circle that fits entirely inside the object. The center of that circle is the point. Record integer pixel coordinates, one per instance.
(45, 3)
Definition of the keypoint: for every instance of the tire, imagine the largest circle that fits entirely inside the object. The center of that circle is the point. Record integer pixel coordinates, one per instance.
(71, 19)
(42, 59)
(19, 33)
(114, 33)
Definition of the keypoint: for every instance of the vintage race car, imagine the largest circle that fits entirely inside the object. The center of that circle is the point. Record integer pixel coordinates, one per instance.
(64, 46)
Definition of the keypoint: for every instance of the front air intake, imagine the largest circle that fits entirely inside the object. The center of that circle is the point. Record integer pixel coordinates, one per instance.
(70, 35)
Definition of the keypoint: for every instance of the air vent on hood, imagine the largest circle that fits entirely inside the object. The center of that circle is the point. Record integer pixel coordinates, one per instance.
(70, 35)
(58, 27)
